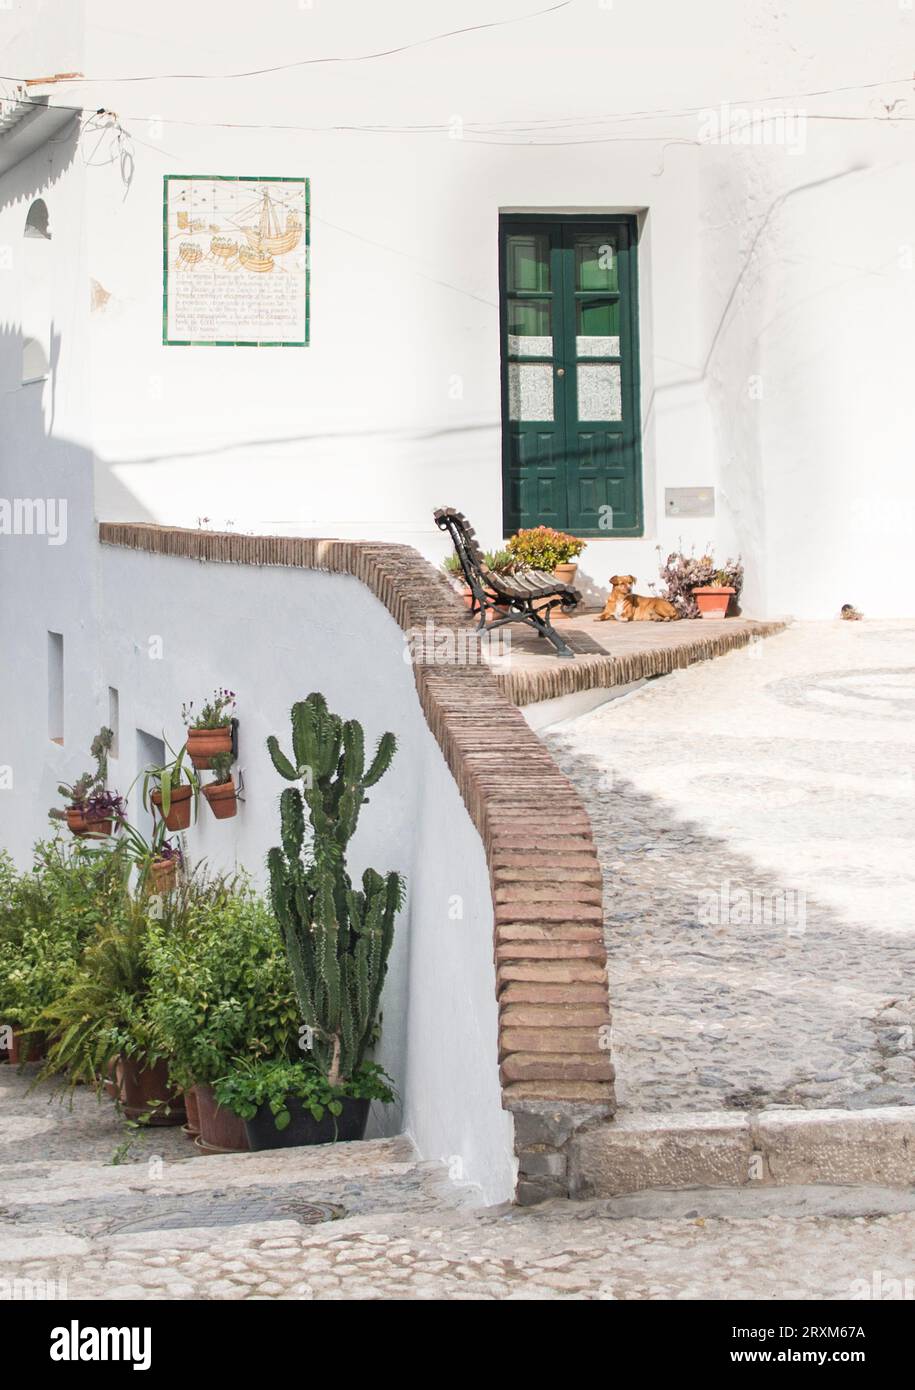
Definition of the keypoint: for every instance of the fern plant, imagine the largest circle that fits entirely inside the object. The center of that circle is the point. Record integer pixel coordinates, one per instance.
(338, 938)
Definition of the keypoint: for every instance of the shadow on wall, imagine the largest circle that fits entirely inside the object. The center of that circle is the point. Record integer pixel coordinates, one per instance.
(48, 567)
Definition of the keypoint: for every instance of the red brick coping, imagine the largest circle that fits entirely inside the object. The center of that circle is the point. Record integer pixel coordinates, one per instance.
(550, 959)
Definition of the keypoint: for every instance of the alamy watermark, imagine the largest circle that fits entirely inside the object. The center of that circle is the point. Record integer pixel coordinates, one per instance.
(439, 645)
(760, 126)
(34, 516)
(727, 906)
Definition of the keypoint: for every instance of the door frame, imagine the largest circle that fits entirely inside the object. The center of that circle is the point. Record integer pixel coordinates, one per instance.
(509, 221)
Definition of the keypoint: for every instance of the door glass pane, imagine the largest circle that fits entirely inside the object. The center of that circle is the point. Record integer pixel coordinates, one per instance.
(599, 391)
(529, 262)
(596, 263)
(598, 328)
(529, 332)
(530, 391)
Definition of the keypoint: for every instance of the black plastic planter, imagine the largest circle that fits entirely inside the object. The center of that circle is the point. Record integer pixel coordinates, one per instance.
(303, 1128)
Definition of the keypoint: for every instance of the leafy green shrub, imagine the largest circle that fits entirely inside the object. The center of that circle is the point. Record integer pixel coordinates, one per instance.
(47, 916)
(543, 548)
(252, 1081)
(220, 986)
(102, 1014)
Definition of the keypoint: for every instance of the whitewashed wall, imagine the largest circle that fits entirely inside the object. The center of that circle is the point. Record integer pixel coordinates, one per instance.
(166, 631)
(754, 263)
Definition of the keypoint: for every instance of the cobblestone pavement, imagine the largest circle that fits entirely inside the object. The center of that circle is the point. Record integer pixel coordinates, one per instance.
(390, 1227)
(786, 771)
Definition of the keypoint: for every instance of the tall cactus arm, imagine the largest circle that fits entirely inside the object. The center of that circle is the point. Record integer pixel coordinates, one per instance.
(292, 822)
(353, 751)
(384, 753)
(280, 895)
(280, 761)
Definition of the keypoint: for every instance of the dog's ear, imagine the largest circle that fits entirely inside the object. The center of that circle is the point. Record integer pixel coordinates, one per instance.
(631, 578)
(614, 580)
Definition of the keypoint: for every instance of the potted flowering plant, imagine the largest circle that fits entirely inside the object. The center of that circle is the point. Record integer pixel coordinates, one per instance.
(700, 588)
(221, 793)
(210, 730)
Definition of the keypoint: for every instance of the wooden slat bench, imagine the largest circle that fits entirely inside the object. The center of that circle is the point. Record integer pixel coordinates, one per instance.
(528, 597)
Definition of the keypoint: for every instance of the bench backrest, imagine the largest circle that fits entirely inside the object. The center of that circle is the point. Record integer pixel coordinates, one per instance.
(466, 545)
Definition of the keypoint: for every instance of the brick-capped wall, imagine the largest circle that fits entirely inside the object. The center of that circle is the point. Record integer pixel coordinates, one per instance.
(549, 952)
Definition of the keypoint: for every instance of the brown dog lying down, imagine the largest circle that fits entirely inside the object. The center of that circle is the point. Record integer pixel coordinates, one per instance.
(627, 607)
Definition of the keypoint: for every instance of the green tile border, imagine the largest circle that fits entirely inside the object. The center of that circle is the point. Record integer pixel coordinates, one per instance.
(228, 342)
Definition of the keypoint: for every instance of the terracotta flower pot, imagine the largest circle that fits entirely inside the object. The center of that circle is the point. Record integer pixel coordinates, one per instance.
(713, 600)
(192, 1128)
(221, 1131)
(566, 573)
(77, 820)
(163, 875)
(99, 827)
(222, 798)
(26, 1047)
(147, 1091)
(204, 744)
(179, 811)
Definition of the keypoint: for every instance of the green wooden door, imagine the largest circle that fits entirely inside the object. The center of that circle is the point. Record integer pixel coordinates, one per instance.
(570, 391)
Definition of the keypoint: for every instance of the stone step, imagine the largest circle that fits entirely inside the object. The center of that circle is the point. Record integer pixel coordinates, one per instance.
(766, 1148)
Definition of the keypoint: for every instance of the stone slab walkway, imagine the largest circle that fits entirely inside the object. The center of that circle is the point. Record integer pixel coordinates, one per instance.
(154, 1227)
(755, 819)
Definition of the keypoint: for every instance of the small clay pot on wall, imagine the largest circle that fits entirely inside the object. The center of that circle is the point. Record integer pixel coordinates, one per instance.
(223, 798)
(179, 811)
(204, 744)
(77, 820)
(163, 875)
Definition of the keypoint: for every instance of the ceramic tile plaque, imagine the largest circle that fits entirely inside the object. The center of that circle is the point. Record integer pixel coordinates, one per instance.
(235, 261)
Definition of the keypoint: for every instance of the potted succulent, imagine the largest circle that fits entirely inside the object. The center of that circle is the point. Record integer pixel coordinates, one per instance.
(170, 790)
(712, 599)
(221, 793)
(212, 730)
(499, 561)
(698, 587)
(337, 937)
(88, 799)
(543, 548)
(221, 991)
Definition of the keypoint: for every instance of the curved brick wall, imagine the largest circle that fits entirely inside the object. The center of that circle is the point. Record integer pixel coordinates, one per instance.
(545, 876)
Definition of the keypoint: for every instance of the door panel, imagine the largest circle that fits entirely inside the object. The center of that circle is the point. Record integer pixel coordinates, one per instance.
(571, 436)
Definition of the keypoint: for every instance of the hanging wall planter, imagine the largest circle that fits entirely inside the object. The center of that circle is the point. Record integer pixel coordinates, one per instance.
(163, 874)
(222, 798)
(205, 744)
(77, 821)
(179, 810)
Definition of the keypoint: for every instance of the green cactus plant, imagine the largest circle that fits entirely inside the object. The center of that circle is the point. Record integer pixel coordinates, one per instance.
(338, 938)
